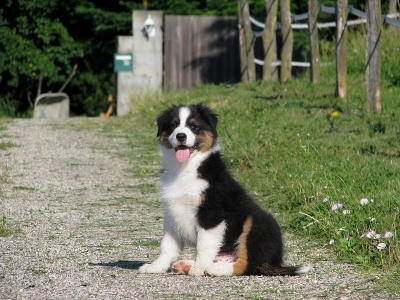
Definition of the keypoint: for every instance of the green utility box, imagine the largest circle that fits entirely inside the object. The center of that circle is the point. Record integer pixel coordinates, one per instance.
(123, 62)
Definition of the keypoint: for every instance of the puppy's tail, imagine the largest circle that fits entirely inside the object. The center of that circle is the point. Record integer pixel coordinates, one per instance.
(268, 270)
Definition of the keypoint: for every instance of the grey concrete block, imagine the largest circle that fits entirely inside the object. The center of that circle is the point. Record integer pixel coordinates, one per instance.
(51, 106)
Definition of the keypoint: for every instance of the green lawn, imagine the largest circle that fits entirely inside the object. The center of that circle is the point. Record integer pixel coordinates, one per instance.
(300, 151)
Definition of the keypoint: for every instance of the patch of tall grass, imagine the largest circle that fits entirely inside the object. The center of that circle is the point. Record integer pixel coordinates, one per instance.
(311, 157)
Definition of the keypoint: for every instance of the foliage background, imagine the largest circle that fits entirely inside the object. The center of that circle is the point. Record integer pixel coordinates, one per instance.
(49, 36)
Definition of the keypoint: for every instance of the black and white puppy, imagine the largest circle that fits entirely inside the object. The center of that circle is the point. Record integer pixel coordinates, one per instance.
(204, 206)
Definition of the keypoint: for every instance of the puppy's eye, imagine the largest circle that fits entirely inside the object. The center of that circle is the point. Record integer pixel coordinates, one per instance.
(174, 125)
(194, 127)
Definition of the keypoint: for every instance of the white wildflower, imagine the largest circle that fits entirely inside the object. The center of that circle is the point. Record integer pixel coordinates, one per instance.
(388, 235)
(381, 246)
(369, 235)
(336, 206)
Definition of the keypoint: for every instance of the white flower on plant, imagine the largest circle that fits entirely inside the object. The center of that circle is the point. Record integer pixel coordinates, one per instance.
(331, 242)
(369, 235)
(371, 219)
(326, 199)
(381, 246)
(377, 236)
(346, 212)
(336, 206)
(388, 235)
(364, 201)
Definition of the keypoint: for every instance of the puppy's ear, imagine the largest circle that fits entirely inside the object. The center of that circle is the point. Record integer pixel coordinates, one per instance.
(208, 115)
(160, 121)
(164, 118)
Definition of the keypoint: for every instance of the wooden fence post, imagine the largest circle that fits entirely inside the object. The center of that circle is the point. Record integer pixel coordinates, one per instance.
(392, 6)
(246, 43)
(287, 41)
(313, 10)
(373, 67)
(269, 39)
(341, 48)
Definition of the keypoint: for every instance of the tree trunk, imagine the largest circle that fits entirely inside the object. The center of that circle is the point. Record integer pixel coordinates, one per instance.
(246, 43)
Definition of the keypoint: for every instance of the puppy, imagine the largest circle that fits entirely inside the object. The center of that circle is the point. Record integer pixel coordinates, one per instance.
(204, 206)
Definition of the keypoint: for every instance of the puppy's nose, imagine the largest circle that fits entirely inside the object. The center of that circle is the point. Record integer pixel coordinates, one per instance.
(181, 137)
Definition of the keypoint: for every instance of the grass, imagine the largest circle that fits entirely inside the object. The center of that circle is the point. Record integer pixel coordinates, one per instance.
(4, 229)
(297, 145)
(4, 145)
(300, 151)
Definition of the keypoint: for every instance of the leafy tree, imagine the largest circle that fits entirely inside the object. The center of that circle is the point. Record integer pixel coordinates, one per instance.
(32, 44)
(95, 25)
(45, 39)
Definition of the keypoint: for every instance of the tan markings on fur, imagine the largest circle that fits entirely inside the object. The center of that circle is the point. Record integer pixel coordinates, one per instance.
(240, 265)
(202, 199)
(206, 141)
(164, 140)
(192, 122)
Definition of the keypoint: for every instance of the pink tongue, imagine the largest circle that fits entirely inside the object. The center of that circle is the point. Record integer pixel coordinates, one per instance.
(182, 155)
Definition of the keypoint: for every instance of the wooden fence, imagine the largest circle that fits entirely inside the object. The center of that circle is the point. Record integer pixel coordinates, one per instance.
(373, 20)
(200, 50)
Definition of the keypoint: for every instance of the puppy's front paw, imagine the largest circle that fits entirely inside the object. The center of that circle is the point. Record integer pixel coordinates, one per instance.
(151, 268)
(196, 271)
(220, 269)
(182, 267)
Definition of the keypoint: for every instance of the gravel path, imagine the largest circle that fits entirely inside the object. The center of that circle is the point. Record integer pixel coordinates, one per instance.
(85, 228)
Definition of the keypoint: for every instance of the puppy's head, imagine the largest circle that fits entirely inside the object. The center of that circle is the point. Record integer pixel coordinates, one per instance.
(187, 130)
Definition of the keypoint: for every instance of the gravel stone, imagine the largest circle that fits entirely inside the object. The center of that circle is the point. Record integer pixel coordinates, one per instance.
(85, 228)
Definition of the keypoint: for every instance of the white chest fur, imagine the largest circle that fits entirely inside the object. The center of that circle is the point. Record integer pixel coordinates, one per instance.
(181, 191)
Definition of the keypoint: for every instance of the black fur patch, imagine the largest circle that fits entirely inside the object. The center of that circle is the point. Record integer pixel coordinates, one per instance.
(225, 199)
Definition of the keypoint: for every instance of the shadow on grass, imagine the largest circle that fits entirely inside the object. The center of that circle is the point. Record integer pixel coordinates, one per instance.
(123, 264)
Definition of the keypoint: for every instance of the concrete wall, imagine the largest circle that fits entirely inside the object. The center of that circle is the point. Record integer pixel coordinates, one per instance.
(125, 80)
(147, 73)
(147, 53)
